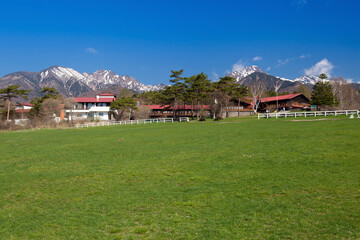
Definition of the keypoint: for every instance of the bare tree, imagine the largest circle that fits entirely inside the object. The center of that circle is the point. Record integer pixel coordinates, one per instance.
(339, 86)
(277, 85)
(257, 91)
(142, 112)
(346, 95)
(70, 104)
(51, 108)
(217, 103)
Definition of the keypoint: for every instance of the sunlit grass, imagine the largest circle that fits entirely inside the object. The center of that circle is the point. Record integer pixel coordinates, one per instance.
(237, 178)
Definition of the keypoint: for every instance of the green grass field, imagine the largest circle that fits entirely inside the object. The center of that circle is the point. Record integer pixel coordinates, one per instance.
(235, 179)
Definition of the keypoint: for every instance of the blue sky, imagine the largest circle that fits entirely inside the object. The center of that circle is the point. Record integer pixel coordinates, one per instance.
(146, 39)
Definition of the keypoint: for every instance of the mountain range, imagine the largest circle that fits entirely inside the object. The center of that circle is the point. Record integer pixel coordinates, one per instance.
(72, 83)
(249, 74)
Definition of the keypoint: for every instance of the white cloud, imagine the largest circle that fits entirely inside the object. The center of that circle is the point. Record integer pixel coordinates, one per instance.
(239, 66)
(324, 66)
(349, 80)
(305, 56)
(268, 68)
(257, 58)
(91, 50)
(285, 61)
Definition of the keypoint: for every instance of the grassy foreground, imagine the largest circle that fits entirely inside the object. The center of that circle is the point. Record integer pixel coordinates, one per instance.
(266, 179)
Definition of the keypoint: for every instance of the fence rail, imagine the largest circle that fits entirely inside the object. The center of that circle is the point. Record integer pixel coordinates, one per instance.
(309, 114)
(127, 122)
(184, 119)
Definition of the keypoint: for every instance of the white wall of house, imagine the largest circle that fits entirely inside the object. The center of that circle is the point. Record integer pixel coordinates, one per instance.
(23, 107)
(96, 113)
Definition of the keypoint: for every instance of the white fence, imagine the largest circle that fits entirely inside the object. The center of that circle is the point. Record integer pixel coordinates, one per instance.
(309, 114)
(127, 122)
(184, 119)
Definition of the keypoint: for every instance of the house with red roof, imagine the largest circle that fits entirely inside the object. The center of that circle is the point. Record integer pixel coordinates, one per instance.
(295, 101)
(91, 107)
(165, 111)
(22, 110)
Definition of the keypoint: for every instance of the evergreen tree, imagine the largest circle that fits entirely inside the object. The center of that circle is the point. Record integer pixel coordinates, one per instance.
(240, 93)
(121, 105)
(198, 91)
(49, 93)
(173, 94)
(227, 87)
(37, 109)
(322, 94)
(11, 92)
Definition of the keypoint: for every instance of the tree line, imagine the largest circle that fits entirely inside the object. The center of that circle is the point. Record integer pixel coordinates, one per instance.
(196, 90)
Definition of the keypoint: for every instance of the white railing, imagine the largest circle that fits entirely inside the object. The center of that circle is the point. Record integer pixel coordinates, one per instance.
(184, 119)
(126, 122)
(309, 114)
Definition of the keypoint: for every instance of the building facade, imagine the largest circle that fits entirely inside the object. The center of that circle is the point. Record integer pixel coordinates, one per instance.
(97, 108)
(296, 101)
(166, 111)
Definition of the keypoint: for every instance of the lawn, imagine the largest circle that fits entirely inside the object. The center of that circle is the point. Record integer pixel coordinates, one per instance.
(247, 178)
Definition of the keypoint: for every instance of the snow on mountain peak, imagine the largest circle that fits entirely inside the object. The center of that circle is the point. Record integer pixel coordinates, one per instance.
(310, 80)
(240, 74)
(67, 73)
(62, 73)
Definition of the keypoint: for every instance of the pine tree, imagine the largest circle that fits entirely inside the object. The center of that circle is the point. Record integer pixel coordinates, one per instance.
(227, 87)
(121, 105)
(48, 93)
(241, 91)
(173, 94)
(322, 94)
(10, 93)
(198, 89)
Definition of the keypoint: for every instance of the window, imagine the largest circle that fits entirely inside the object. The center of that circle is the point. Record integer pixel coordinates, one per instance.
(101, 114)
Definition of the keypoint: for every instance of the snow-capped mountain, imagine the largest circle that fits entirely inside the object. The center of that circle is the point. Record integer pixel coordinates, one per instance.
(308, 80)
(241, 75)
(250, 74)
(70, 82)
(61, 73)
(238, 75)
(104, 78)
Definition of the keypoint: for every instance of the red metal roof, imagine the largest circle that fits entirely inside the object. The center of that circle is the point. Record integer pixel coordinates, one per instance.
(93, 99)
(106, 94)
(282, 97)
(297, 106)
(24, 104)
(22, 110)
(178, 107)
